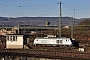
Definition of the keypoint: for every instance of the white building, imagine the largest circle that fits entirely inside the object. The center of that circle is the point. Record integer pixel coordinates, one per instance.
(15, 41)
(66, 27)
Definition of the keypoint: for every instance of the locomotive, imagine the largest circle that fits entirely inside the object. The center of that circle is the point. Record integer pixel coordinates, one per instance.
(54, 41)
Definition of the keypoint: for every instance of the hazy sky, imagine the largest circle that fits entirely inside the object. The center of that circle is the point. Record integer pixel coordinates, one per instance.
(44, 8)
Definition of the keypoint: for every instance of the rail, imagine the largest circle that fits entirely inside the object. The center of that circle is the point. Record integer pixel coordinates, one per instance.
(45, 53)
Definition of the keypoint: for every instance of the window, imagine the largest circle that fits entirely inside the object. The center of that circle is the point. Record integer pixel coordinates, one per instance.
(7, 38)
(59, 41)
(11, 38)
(14, 38)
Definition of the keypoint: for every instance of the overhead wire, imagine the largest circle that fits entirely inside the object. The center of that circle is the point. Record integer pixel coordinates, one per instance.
(47, 11)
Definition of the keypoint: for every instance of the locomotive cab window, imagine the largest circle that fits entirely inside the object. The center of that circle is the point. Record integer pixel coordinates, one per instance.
(36, 40)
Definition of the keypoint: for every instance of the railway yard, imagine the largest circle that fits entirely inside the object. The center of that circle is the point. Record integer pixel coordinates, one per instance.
(80, 50)
(44, 35)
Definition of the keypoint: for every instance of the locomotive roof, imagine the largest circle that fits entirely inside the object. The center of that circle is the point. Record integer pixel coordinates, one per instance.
(51, 38)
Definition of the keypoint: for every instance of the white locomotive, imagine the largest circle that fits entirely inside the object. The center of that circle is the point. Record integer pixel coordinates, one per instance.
(53, 41)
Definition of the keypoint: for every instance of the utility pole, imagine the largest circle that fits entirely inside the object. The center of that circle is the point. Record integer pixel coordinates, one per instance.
(60, 20)
(73, 23)
(2, 27)
(72, 27)
(74, 14)
(18, 27)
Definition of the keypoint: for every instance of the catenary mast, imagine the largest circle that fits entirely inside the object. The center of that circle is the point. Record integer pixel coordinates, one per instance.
(60, 20)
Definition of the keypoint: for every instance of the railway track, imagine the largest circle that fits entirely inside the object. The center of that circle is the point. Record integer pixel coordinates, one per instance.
(46, 53)
(61, 48)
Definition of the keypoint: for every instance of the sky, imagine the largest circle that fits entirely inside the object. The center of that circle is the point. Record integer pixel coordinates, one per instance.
(44, 8)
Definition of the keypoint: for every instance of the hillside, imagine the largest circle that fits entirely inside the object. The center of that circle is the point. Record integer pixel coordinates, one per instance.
(82, 32)
(39, 21)
(85, 22)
